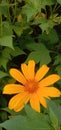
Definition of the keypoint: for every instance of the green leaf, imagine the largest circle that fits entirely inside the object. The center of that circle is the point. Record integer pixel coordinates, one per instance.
(29, 11)
(46, 25)
(51, 38)
(59, 1)
(20, 27)
(38, 119)
(3, 74)
(6, 41)
(54, 119)
(31, 8)
(16, 123)
(12, 112)
(56, 109)
(6, 54)
(47, 2)
(5, 57)
(0, 128)
(39, 53)
(3, 61)
(57, 59)
(17, 51)
(32, 121)
(19, 0)
(58, 69)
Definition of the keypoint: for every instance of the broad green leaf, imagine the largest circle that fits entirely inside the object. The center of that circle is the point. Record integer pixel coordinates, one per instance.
(16, 123)
(32, 121)
(56, 108)
(59, 1)
(39, 53)
(6, 41)
(54, 119)
(3, 74)
(38, 119)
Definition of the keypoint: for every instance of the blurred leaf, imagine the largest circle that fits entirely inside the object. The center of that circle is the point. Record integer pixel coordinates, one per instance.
(59, 1)
(3, 74)
(12, 112)
(56, 109)
(20, 27)
(31, 8)
(39, 53)
(3, 116)
(29, 11)
(3, 61)
(33, 121)
(39, 20)
(6, 54)
(58, 69)
(54, 119)
(4, 57)
(0, 128)
(47, 2)
(19, 0)
(51, 38)
(48, 24)
(57, 59)
(17, 51)
(6, 41)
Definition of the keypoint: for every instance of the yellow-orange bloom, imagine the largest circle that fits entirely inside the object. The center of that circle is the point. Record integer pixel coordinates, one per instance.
(32, 87)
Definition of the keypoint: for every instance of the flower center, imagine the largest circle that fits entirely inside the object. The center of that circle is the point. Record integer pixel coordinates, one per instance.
(31, 86)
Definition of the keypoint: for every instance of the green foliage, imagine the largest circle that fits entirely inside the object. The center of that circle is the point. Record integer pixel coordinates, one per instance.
(59, 1)
(30, 29)
(32, 120)
(3, 74)
(38, 53)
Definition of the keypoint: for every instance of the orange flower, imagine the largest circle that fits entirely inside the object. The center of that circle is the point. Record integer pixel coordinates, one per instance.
(32, 87)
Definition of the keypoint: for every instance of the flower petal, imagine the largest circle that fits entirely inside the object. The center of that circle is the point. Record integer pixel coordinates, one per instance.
(52, 92)
(49, 80)
(42, 95)
(24, 69)
(34, 102)
(13, 89)
(31, 71)
(16, 74)
(43, 101)
(17, 102)
(41, 72)
(20, 106)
